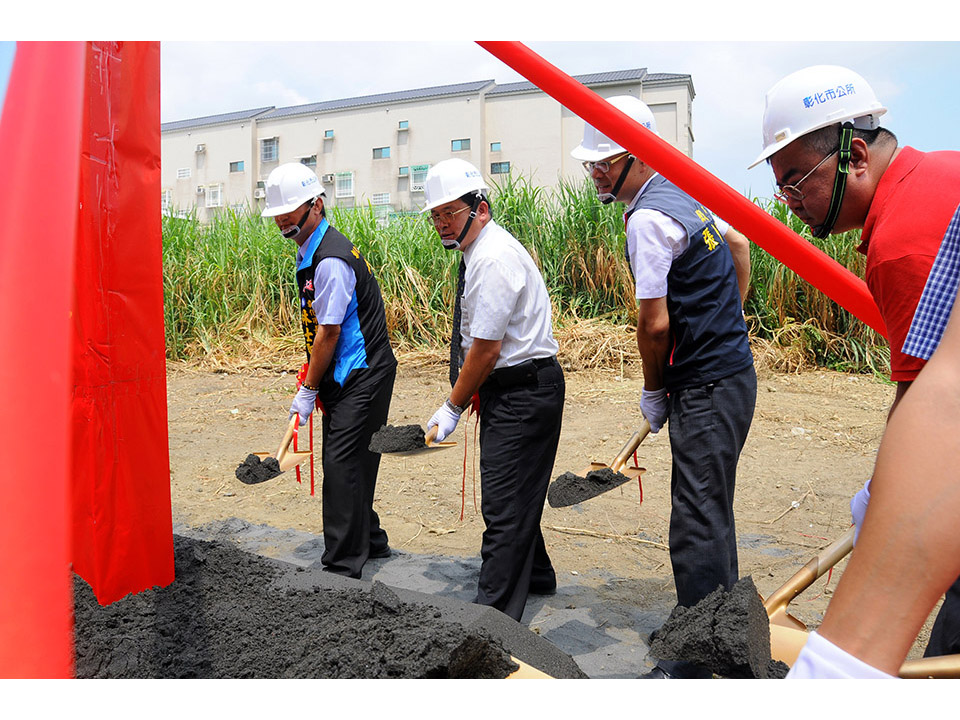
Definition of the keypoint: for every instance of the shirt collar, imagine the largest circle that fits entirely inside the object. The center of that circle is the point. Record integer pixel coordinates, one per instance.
(305, 256)
(476, 241)
(636, 198)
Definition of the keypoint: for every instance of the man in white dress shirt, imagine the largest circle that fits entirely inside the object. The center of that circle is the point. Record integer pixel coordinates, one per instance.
(505, 352)
(697, 366)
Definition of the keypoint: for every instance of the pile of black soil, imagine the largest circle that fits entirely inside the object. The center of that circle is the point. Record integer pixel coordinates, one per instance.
(224, 617)
(252, 470)
(569, 489)
(726, 632)
(399, 438)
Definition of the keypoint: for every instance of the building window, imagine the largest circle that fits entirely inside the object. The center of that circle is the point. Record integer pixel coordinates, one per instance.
(381, 198)
(460, 145)
(166, 201)
(183, 173)
(500, 168)
(270, 150)
(403, 125)
(495, 147)
(344, 184)
(214, 196)
(419, 177)
(309, 161)
(381, 152)
(404, 171)
(328, 134)
(236, 166)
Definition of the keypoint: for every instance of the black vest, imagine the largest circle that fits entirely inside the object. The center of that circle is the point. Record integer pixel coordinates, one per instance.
(709, 334)
(363, 342)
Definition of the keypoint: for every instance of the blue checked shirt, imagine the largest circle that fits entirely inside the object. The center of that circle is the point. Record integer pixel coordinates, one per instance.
(936, 302)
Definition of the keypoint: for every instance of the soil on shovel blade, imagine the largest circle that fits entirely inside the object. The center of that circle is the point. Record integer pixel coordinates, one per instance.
(726, 632)
(400, 438)
(570, 489)
(252, 470)
(224, 617)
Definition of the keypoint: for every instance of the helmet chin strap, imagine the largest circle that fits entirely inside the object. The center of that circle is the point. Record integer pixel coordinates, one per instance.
(839, 183)
(455, 244)
(607, 198)
(293, 232)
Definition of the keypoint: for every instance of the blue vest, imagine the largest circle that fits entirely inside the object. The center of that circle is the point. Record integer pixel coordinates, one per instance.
(709, 334)
(363, 341)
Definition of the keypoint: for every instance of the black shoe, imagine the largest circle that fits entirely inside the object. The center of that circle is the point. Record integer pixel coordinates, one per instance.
(377, 554)
(543, 589)
(658, 673)
(678, 671)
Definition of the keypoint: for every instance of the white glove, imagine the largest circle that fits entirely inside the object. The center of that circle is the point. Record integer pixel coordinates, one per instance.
(653, 405)
(858, 508)
(304, 403)
(446, 419)
(820, 659)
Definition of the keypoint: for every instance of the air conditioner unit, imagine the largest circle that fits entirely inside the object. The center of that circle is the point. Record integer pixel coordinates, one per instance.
(201, 148)
(259, 193)
(328, 178)
(200, 189)
(416, 187)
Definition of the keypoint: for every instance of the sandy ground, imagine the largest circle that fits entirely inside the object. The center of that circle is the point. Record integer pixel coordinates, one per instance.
(811, 447)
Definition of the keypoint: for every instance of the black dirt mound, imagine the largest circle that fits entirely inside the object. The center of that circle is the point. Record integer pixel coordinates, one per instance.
(252, 471)
(401, 438)
(569, 489)
(726, 632)
(224, 618)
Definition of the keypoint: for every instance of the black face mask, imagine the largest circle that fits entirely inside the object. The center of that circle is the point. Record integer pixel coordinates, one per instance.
(292, 232)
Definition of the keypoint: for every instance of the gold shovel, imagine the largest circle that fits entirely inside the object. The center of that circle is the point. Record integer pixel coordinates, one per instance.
(286, 458)
(788, 634)
(619, 462)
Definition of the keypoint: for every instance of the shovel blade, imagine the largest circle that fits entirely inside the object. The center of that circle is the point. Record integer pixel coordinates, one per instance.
(632, 472)
(290, 459)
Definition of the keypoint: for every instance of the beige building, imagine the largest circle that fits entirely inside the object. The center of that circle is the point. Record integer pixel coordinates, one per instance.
(377, 149)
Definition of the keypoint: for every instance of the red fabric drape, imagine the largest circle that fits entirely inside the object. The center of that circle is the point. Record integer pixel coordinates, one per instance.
(122, 527)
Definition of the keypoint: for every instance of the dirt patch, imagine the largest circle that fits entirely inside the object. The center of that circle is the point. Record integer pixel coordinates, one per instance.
(390, 439)
(253, 470)
(812, 445)
(569, 489)
(726, 632)
(225, 617)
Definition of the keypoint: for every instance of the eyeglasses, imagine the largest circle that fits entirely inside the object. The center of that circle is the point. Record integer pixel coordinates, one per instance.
(792, 192)
(446, 216)
(602, 165)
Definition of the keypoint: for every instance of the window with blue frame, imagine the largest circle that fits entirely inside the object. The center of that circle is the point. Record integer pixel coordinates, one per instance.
(460, 144)
(494, 147)
(500, 168)
(381, 152)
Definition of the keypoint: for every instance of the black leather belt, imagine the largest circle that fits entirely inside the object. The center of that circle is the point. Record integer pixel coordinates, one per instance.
(524, 373)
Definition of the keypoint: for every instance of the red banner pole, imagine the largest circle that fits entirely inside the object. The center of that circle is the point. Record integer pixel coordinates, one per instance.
(40, 131)
(808, 261)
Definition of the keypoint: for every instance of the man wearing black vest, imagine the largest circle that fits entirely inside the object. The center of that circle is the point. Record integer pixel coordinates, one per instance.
(503, 350)
(697, 366)
(350, 365)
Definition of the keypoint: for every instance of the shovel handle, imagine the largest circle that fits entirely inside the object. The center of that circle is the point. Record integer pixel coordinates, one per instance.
(431, 436)
(287, 437)
(808, 574)
(632, 444)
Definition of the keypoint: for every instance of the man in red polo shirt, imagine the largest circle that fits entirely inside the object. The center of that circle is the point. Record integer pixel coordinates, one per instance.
(838, 170)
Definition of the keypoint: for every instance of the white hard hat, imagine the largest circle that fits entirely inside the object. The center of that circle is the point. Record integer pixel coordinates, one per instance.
(597, 146)
(450, 179)
(813, 98)
(289, 186)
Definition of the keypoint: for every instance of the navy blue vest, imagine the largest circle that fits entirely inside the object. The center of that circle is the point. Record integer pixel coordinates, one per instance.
(709, 334)
(363, 341)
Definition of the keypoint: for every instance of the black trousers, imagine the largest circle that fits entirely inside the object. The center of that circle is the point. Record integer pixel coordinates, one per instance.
(351, 528)
(519, 435)
(708, 426)
(945, 635)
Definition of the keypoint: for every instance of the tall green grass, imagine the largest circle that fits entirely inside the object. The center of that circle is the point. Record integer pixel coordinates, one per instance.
(229, 286)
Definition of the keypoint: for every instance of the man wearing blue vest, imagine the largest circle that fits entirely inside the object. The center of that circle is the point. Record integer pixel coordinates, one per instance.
(350, 365)
(697, 366)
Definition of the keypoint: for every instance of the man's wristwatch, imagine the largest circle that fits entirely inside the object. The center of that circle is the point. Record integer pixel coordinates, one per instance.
(455, 408)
